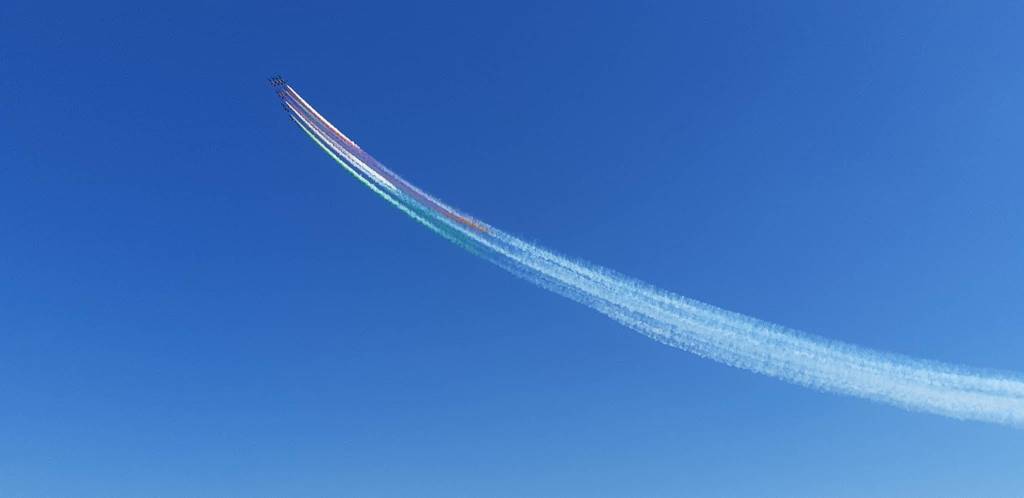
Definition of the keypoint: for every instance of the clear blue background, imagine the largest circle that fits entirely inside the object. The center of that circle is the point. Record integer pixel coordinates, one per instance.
(195, 301)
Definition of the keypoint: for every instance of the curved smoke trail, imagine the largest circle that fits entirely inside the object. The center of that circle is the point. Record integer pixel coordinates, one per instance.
(705, 330)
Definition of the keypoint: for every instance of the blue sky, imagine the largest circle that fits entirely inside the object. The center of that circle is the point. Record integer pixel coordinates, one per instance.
(196, 301)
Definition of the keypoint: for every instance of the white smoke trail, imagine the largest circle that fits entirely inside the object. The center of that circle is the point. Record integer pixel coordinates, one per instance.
(705, 330)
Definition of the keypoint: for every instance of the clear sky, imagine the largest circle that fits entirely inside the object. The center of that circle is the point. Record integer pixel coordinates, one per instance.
(196, 301)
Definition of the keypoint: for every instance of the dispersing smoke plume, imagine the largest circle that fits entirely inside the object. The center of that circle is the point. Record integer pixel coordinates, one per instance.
(702, 329)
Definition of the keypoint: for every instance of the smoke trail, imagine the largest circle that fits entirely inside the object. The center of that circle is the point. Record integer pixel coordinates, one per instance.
(702, 329)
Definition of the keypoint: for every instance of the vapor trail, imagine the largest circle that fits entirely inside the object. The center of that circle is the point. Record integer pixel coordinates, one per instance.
(705, 330)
